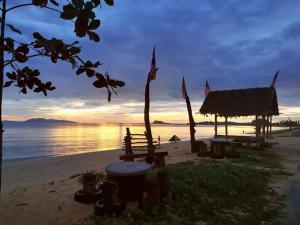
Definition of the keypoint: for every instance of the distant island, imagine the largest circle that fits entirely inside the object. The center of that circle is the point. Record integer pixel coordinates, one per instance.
(37, 122)
(159, 122)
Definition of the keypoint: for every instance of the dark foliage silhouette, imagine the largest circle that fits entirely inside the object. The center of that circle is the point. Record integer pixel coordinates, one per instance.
(14, 54)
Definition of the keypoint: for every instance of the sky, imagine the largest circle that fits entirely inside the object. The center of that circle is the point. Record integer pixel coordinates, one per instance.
(232, 44)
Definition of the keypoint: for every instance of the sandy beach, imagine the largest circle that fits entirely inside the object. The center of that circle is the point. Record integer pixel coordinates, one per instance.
(40, 190)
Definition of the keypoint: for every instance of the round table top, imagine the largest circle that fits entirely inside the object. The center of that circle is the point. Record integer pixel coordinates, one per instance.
(127, 168)
(221, 140)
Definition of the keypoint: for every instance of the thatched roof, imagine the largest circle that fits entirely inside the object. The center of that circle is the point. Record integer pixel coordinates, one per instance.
(241, 102)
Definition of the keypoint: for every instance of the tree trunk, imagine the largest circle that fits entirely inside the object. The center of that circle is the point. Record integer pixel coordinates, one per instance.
(192, 124)
(146, 118)
(216, 125)
(1, 82)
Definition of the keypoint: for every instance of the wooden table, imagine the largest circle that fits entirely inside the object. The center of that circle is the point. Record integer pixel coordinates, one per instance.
(130, 177)
(217, 145)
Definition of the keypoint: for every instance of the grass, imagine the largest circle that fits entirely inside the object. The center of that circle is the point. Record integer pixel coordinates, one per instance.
(293, 133)
(226, 193)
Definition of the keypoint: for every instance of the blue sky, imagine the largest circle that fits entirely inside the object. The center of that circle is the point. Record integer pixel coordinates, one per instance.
(232, 44)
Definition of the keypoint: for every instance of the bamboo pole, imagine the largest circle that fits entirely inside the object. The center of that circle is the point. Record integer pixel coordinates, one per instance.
(216, 125)
(226, 127)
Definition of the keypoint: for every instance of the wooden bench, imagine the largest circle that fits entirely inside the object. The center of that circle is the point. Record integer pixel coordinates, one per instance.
(157, 157)
(139, 142)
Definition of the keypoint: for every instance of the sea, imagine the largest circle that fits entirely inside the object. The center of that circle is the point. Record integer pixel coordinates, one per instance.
(57, 140)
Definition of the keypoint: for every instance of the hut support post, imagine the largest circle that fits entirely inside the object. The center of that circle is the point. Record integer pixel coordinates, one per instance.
(216, 125)
(256, 129)
(192, 124)
(268, 127)
(146, 117)
(271, 126)
(264, 125)
(226, 127)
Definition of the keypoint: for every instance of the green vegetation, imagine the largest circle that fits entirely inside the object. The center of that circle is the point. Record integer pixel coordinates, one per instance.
(234, 192)
(293, 133)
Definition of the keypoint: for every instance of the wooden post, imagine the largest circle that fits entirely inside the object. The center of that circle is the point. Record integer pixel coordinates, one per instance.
(192, 124)
(146, 117)
(267, 126)
(216, 125)
(271, 126)
(256, 126)
(127, 140)
(264, 125)
(226, 127)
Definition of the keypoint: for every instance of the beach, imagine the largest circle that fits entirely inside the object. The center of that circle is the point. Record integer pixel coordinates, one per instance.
(40, 190)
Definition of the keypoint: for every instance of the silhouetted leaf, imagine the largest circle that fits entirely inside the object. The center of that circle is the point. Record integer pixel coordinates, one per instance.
(94, 24)
(93, 36)
(109, 2)
(89, 72)
(109, 95)
(100, 83)
(24, 90)
(14, 29)
(41, 3)
(23, 48)
(78, 3)
(74, 50)
(12, 76)
(21, 57)
(100, 76)
(38, 36)
(80, 70)
(116, 83)
(54, 2)
(9, 46)
(8, 83)
(69, 12)
(96, 2)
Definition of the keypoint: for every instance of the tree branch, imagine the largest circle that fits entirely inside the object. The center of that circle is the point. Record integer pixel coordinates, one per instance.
(29, 4)
(14, 60)
(41, 54)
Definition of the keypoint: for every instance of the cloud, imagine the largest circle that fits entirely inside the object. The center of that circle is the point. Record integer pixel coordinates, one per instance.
(232, 44)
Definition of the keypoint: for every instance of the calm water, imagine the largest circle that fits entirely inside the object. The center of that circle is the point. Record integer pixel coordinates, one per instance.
(27, 142)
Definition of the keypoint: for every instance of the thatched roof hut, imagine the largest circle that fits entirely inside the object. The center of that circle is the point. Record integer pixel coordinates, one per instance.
(241, 102)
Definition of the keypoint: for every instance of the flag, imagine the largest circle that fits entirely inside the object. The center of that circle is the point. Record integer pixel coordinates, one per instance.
(274, 79)
(183, 89)
(153, 69)
(207, 88)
